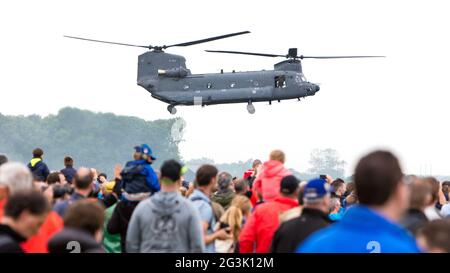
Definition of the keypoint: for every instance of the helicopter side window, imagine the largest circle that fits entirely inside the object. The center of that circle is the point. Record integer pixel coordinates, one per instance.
(280, 81)
(209, 85)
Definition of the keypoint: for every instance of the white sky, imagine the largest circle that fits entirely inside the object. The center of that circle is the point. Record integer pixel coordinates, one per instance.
(398, 103)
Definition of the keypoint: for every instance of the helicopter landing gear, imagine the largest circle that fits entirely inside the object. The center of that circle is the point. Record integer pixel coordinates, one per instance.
(171, 108)
(250, 108)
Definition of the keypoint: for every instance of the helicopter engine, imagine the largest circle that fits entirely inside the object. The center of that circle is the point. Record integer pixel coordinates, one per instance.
(179, 72)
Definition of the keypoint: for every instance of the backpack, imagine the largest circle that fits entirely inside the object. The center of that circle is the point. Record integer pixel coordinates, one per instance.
(134, 180)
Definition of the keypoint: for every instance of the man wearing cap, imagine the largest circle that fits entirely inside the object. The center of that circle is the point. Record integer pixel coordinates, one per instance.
(259, 230)
(372, 226)
(166, 222)
(314, 216)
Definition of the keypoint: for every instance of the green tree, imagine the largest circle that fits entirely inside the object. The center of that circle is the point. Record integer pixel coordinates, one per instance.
(98, 140)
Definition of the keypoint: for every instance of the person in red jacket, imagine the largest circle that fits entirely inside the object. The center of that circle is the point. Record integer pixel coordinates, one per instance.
(258, 231)
(15, 177)
(267, 183)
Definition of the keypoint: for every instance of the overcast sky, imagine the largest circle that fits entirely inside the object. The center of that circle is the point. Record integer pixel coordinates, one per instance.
(400, 102)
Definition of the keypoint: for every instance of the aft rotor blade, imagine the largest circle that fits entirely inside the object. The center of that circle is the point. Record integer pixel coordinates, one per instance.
(245, 53)
(106, 42)
(208, 39)
(337, 57)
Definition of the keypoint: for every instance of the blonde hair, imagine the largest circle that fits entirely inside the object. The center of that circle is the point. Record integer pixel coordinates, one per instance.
(277, 155)
(137, 155)
(240, 206)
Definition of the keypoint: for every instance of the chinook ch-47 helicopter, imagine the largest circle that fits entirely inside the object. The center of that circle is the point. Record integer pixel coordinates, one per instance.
(168, 79)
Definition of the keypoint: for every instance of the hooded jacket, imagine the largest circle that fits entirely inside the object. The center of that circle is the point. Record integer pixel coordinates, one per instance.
(268, 182)
(258, 231)
(361, 230)
(223, 197)
(71, 240)
(165, 222)
(39, 168)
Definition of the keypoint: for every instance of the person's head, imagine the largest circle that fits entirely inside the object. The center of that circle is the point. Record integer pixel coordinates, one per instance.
(434, 237)
(316, 195)
(206, 176)
(255, 165)
(147, 153)
(53, 178)
(171, 172)
(68, 161)
(289, 187)
(445, 186)
(14, 177)
(420, 195)
(379, 183)
(224, 181)
(338, 187)
(240, 207)
(38, 153)
(25, 212)
(241, 186)
(434, 184)
(87, 215)
(3, 159)
(102, 178)
(277, 155)
(349, 188)
(335, 205)
(83, 180)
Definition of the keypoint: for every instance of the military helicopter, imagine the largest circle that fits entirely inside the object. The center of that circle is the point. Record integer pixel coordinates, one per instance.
(168, 79)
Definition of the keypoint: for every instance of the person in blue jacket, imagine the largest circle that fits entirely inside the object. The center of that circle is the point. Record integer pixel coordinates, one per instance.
(139, 180)
(37, 166)
(371, 226)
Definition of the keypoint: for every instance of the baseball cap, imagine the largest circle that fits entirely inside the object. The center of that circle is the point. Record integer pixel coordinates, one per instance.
(146, 150)
(316, 189)
(289, 184)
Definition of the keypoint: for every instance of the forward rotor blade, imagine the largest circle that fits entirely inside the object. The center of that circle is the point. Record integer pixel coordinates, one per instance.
(106, 42)
(245, 53)
(208, 39)
(337, 57)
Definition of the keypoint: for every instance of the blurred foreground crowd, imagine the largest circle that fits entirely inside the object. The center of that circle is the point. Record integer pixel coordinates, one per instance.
(266, 209)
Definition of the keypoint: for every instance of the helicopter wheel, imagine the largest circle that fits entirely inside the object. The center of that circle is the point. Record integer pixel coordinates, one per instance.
(172, 109)
(250, 108)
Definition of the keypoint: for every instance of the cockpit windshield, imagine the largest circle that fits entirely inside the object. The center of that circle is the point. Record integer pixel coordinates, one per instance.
(302, 76)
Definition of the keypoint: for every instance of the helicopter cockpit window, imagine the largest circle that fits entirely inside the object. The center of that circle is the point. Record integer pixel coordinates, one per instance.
(302, 76)
(280, 81)
(209, 85)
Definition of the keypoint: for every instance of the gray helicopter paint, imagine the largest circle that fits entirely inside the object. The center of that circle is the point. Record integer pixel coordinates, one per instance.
(218, 88)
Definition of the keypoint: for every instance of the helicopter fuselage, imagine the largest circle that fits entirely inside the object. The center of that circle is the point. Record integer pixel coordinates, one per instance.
(234, 87)
(166, 77)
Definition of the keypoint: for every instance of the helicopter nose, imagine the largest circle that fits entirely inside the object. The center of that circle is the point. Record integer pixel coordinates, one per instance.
(317, 87)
